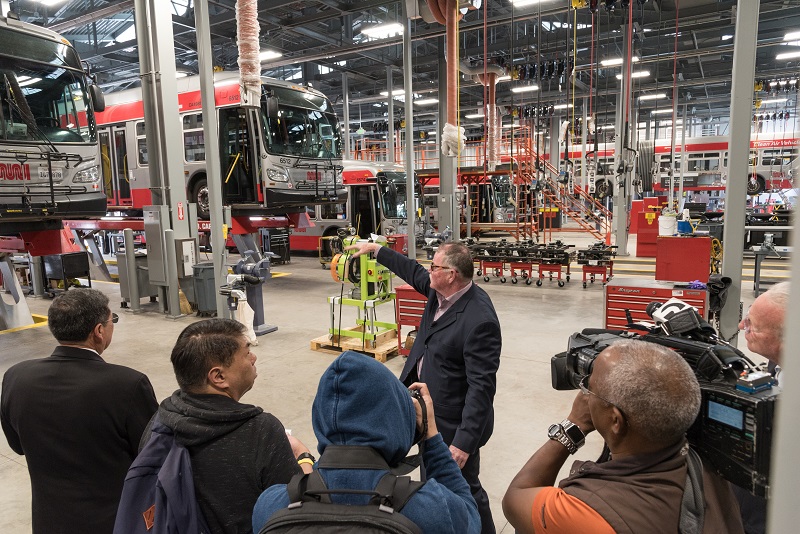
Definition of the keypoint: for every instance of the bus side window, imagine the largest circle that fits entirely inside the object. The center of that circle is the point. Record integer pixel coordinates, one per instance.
(141, 143)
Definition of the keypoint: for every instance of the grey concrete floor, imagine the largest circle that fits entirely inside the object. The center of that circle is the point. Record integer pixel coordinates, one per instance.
(536, 323)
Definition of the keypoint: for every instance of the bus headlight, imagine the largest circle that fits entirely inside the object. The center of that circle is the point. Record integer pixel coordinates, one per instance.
(277, 175)
(90, 175)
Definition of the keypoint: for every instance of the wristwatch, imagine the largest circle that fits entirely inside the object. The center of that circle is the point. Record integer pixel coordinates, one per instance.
(568, 434)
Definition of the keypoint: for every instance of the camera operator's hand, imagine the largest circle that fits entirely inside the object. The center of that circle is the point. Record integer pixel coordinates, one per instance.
(362, 248)
(426, 396)
(580, 414)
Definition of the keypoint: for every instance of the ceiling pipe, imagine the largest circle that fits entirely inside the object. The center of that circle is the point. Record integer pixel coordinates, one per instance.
(487, 75)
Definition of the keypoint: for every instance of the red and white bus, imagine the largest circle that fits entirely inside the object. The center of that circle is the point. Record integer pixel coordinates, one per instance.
(275, 161)
(375, 204)
(773, 163)
(49, 164)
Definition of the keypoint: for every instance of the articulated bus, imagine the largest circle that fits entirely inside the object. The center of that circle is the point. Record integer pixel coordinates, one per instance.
(375, 204)
(276, 158)
(49, 160)
(773, 164)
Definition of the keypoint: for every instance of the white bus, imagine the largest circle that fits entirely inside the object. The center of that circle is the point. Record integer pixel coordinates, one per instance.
(277, 157)
(376, 203)
(49, 164)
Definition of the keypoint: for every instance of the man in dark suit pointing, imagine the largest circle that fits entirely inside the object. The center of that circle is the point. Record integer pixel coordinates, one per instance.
(76, 418)
(456, 353)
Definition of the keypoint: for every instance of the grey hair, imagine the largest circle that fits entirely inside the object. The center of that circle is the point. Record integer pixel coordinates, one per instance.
(74, 314)
(779, 294)
(459, 259)
(655, 388)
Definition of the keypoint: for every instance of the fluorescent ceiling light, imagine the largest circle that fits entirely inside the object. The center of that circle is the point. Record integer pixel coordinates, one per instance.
(269, 54)
(50, 2)
(514, 125)
(525, 3)
(382, 31)
(608, 127)
(396, 92)
(791, 36)
(525, 88)
(788, 55)
(727, 37)
(639, 74)
(661, 111)
(616, 61)
(25, 81)
(562, 106)
(774, 101)
(426, 101)
(654, 96)
(475, 116)
(669, 123)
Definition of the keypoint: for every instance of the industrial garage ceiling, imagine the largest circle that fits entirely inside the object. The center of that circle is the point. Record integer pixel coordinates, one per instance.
(321, 39)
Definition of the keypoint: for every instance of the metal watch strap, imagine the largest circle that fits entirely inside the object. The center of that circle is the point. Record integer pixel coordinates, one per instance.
(566, 442)
(563, 439)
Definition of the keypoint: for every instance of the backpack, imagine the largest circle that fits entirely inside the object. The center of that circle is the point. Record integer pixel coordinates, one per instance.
(158, 496)
(311, 510)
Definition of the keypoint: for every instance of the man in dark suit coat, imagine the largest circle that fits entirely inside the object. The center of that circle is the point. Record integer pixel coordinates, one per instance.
(456, 353)
(76, 418)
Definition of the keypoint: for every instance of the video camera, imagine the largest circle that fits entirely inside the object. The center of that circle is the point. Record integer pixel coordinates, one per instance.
(733, 431)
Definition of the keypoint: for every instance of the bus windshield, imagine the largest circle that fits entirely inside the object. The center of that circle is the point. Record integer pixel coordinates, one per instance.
(393, 194)
(306, 126)
(43, 94)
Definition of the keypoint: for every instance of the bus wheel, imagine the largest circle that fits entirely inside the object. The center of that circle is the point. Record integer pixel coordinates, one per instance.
(200, 196)
(755, 185)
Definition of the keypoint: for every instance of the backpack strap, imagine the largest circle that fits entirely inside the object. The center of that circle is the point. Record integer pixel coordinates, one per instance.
(307, 487)
(394, 492)
(693, 503)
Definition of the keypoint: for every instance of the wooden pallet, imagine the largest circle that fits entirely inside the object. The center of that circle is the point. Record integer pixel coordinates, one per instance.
(385, 348)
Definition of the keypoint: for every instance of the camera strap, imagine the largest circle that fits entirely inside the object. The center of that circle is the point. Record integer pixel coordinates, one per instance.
(693, 503)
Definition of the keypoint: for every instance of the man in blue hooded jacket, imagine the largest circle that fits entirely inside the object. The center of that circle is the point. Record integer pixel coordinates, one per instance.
(360, 402)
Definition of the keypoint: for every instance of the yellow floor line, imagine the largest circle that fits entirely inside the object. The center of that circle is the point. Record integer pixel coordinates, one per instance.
(42, 321)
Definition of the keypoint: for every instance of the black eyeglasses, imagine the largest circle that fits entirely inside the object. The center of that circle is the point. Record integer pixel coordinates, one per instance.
(114, 318)
(584, 385)
(435, 267)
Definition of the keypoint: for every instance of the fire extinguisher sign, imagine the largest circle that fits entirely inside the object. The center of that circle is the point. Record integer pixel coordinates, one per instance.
(181, 214)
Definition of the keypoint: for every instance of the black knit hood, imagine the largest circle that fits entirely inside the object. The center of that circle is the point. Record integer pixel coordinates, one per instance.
(197, 419)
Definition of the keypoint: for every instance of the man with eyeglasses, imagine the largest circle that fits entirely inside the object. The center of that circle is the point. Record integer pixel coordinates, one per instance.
(641, 398)
(763, 331)
(456, 353)
(76, 418)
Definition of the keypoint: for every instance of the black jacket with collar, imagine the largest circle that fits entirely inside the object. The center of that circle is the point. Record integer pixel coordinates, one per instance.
(78, 420)
(462, 355)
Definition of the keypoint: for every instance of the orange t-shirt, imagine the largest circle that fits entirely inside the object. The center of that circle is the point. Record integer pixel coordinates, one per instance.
(557, 511)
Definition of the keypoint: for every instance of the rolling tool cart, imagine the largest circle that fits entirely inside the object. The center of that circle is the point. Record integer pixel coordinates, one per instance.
(493, 259)
(555, 256)
(598, 259)
(525, 257)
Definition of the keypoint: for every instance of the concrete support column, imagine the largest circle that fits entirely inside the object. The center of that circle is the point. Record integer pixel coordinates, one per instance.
(448, 208)
(409, 147)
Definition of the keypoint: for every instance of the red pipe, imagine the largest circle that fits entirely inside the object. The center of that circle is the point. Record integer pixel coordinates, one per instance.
(436, 11)
(452, 16)
(491, 138)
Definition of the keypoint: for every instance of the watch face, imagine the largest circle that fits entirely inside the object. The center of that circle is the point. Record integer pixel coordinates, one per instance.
(553, 431)
(575, 434)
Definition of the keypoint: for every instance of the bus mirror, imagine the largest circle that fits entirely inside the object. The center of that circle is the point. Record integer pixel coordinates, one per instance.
(98, 99)
(271, 106)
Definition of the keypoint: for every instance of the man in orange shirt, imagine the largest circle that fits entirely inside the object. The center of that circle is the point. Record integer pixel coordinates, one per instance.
(642, 398)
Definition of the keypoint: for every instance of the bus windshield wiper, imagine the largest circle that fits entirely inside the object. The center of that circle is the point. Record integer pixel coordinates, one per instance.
(27, 118)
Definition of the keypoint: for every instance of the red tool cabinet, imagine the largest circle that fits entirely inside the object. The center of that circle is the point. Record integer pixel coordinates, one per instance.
(635, 294)
(409, 306)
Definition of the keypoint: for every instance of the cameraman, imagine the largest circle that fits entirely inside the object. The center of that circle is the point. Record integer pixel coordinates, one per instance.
(641, 398)
(763, 324)
(763, 331)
